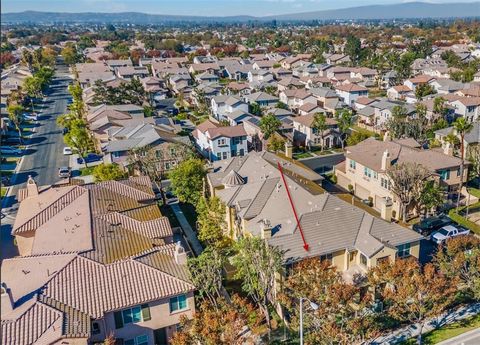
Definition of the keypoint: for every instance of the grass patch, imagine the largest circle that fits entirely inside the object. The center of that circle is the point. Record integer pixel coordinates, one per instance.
(448, 331)
(3, 191)
(363, 131)
(457, 217)
(474, 192)
(86, 171)
(302, 155)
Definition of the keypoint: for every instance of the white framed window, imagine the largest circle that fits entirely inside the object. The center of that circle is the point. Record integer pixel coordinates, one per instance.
(403, 250)
(363, 259)
(353, 164)
(132, 315)
(178, 303)
(221, 141)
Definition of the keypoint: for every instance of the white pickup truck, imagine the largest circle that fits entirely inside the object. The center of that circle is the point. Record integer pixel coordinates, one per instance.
(447, 232)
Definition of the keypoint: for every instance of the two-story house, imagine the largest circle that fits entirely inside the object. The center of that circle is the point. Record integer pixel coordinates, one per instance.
(348, 93)
(263, 99)
(217, 142)
(257, 204)
(224, 104)
(305, 134)
(366, 164)
(95, 260)
(467, 107)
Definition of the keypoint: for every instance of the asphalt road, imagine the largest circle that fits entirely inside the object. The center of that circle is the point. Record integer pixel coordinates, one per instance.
(44, 154)
(469, 338)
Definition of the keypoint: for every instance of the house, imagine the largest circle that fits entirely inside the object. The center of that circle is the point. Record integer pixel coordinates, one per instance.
(263, 99)
(445, 85)
(308, 108)
(421, 79)
(108, 234)
(467, 107)
(471, 138)
(204, 67)
(236, 88)
(133, 111)
(224, 104)
(134, 135)
(398, 92)
(366, 164)
(362, 102)
(290, 83)
(113, 64)
(219, 143)
(155, 88)
(384, 110)
(348, 93)
(129, 72)
(336, 59)
(206, 77)
(305, 135)
(257, 204)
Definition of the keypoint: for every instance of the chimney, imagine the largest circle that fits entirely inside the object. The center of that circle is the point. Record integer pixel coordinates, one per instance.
(288, 149)
(32, 188)
(7, 300)
(448, 149)
(266, 229)
(386, 161)
(180, 255)
(386, 136)
(386, 209)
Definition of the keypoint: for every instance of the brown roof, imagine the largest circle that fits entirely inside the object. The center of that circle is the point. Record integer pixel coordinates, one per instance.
(307, 120)
(470, 101)
(350, 87)
(421, 79)
(229, 131)
(364, 100)
(402, 88)
(370, 151)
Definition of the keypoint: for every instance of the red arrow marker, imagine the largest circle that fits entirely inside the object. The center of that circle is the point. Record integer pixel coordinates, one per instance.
(305, 244)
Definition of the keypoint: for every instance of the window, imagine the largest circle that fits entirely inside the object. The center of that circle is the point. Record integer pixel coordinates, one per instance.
(444, 174)
(367, 172)
(233, 153)
(363, 259)
(159, 154)
(375, 175)
(225, 155)
(353, 164)
(140, 340)
(116, 154)
(385, 183)
(221, 142)
(242, 152)
(178, 303)
(458, 171)
(219, 156)
(95, 328)
(403, 250)
(327, 257)
(132, 315)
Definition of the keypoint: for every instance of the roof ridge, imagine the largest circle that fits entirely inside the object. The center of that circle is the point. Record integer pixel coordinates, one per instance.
(163, 272)
(76, 189)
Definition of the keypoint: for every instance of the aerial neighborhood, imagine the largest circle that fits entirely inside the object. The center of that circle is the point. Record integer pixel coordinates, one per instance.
(223, 181)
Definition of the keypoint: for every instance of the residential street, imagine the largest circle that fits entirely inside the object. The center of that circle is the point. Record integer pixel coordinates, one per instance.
(469, 338)
(44, 154)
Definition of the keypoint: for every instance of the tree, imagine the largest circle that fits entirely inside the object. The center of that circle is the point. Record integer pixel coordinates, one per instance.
(222, 324)
(407, 183)
(411, 293)
(109, 340)
(431, 196)
(269, 124)
(32, 86)
(187, 180)
(78, 138)
(459, 258)
(319, 126)
(353, 48)
(27, 58)
(71, 55)
(206, 272)
(439, 107)
(211, 221)
(356, 137)
(344, 312)
(108, 172)
(15, 114)
(344, 122)
(257, 265)
(276, 143)
(256, 109)
(473, 156)
(462, 127)
(423, 90)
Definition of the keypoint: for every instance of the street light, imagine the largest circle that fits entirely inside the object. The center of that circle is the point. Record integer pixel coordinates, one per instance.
(314, 306)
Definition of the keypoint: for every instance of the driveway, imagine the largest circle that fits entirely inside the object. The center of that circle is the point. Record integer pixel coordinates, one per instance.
(43, 156)
(323, 164)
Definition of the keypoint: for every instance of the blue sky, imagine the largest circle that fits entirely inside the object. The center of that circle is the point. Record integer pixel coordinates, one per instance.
(191, 7)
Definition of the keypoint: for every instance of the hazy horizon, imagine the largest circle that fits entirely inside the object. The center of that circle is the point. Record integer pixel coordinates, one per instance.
(195, 7)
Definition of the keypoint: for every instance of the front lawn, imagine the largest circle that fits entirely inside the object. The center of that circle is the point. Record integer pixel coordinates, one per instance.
(460, 219)
(474, 192)
(448, 331)
(86, 171)
(302, 155)
(3, 191)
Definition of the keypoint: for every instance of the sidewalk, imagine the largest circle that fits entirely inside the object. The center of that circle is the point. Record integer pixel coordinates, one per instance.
(413, 330)
(187, 229)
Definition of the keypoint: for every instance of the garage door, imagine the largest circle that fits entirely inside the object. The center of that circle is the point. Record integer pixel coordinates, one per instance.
(343, 181)
(361, 192)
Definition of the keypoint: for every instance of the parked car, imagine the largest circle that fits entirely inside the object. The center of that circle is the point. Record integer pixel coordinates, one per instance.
(64, 172)
(431, 224)
(67, 151)
(90, 158)
(32, 116)
(9, 150)
(447, 232)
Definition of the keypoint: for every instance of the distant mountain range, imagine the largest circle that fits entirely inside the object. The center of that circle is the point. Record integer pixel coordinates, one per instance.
(407, 10)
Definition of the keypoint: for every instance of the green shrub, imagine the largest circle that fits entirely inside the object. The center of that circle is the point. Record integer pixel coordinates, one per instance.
(464, 221)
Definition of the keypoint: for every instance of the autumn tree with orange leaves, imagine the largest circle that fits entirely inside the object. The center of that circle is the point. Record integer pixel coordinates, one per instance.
(412, 293)
(228, 323)
(344, 310)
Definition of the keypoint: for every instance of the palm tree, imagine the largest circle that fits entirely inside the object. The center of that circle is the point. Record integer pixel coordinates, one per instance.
(462, 127)
(319, 125)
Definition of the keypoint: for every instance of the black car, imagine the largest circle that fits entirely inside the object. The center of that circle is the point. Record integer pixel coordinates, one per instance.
(90, 158)
(431, 224)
